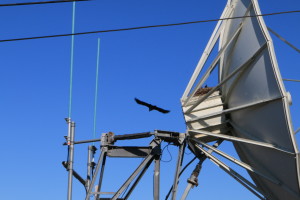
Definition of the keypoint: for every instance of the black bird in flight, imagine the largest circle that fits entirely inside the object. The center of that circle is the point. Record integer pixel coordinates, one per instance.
(151, 107)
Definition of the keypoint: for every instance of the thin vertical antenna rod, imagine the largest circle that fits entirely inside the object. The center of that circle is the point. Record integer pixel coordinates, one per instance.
(72, 60)
(71, 125)
(96, 89)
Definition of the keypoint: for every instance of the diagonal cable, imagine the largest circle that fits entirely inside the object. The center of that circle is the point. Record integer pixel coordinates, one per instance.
(39, 2)
(146, 27)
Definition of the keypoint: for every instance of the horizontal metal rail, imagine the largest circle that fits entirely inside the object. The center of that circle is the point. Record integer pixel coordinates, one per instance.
(118, 137)
(85, 141)
(107, 193)
(233, 109)
(133, 136)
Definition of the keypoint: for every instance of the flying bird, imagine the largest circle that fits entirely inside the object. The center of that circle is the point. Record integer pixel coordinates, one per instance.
(151, 107)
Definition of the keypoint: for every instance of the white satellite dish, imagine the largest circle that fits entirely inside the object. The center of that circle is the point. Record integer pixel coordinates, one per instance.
(249, 106)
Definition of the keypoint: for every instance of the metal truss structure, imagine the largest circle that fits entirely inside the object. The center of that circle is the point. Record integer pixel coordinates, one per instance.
(152, 154)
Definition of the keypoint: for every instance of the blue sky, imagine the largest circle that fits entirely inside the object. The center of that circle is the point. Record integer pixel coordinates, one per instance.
(154, 65)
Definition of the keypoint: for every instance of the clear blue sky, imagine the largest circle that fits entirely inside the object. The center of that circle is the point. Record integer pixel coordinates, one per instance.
(154, 65)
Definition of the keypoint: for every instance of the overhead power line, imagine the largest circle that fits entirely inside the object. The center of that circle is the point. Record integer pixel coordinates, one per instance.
(146, 27)
(39, 2)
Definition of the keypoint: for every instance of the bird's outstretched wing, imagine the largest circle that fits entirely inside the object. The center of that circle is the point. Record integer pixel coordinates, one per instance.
(151, 107)
(142, 103)
(161, 110)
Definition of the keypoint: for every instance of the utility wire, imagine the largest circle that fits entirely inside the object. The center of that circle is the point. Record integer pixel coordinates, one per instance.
(167, 146)
(145, 27)
(39, 2)
(184, 168)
